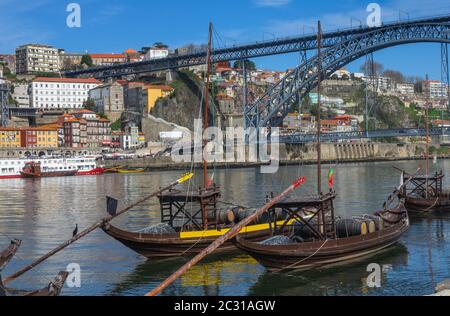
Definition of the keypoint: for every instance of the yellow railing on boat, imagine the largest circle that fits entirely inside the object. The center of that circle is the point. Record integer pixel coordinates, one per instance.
(218, 233)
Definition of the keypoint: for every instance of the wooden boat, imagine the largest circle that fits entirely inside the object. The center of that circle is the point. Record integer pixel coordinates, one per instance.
(7, 254)
(324, 239)
(54, 288)
(327, 245)
(130, 170)
(111, 170)
(190, 220)
(32, 170)
(188, 232)
(425, 194)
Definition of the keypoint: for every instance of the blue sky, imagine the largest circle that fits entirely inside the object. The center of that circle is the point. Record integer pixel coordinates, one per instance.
(115, 25)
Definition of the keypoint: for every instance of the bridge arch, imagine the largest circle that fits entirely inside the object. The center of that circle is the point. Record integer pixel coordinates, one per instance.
(274, 105)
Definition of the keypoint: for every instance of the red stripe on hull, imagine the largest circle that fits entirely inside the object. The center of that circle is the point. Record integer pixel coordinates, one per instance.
(11, 177)
(94, 172)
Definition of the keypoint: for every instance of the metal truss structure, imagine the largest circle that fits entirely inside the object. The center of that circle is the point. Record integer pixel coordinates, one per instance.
(241, 52)
(272, 108)
(445, 75)
(388, 133)
(4, 97)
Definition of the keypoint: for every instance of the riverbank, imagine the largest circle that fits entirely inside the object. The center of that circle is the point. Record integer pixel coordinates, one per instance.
(150, 164)
(299, 155)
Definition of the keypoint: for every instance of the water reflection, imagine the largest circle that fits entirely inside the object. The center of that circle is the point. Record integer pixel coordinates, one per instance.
(44, 213)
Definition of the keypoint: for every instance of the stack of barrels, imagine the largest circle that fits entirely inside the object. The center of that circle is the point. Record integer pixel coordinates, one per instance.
(359, 225)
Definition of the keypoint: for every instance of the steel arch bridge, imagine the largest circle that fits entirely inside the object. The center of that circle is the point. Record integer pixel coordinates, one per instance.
(274, 105)
(240, 52)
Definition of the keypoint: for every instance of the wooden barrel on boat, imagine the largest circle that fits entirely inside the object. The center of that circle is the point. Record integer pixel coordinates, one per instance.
(350, 227)
(223, 217)
(302, 231)
(379, 223)
(371, 226)
(241, 213)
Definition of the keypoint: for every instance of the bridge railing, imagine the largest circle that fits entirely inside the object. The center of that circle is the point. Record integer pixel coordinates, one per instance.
(338, 136)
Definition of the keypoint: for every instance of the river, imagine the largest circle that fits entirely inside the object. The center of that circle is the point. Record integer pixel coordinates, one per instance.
(44, 213)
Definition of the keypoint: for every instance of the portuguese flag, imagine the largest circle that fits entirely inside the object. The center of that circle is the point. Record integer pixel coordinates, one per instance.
(331, 178)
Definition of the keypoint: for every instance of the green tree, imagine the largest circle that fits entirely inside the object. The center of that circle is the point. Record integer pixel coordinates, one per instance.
(87, 60)
(89, 104)
(160, 45)
(248, 63)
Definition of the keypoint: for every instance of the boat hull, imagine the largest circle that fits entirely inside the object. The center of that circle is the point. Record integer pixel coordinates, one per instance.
(48, 174)
(419, 205)
(302, 256)
(154, 246)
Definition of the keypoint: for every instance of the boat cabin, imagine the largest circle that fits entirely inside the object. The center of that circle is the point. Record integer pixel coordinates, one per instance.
(423, 186)
(312, 215)
(195, 210)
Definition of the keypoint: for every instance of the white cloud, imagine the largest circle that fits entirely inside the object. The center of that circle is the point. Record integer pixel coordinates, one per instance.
(271, 3)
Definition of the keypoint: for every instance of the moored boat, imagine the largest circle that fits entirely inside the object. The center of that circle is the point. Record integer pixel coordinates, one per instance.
(325, 239)
(425, 194)
(84, 166)
(33, 170)
(7, 254)
(190, 222)
(313, 245)
(54, 288)
(130, 170)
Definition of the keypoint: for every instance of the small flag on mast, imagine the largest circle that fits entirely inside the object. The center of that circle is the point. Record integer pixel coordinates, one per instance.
(111, 206)
(331, 177)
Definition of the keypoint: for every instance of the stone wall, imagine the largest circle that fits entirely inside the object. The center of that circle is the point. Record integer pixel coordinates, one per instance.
(355, 151)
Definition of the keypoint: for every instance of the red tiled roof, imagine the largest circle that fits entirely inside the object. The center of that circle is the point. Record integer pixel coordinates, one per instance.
(107, 56)
(161, 87)
(130, 51)
(67, 80)
(84, 111)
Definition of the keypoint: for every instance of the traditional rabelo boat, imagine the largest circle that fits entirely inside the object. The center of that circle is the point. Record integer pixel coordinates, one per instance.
(33, 170)
(52, 289)
(323, 239)
(130, 170)
(7, 254)
(190, 221)
(425, 193)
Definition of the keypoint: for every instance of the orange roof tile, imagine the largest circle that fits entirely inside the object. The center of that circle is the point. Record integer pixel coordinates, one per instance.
(130, 51)
(160, 87)
(67, 80)
(107, 56)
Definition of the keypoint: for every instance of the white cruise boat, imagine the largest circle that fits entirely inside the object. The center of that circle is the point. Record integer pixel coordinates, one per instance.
(12, 168)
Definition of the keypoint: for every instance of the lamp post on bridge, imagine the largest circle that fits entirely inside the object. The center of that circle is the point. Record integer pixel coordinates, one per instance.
(4, 99)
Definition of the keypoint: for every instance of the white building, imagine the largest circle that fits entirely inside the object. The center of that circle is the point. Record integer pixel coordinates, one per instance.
(35, 58)
(60, 93)
(381, 83)
(21, 95)
(435, 89)
(2, 80)
(156, 53)
(406, 89)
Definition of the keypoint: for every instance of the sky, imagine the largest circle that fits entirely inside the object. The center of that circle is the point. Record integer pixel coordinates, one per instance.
(111, 26)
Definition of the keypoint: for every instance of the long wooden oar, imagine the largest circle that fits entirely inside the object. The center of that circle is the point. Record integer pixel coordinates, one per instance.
(398, 191)
(94, 227)
(221, 240)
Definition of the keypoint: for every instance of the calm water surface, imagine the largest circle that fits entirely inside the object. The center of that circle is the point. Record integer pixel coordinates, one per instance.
(44, 213)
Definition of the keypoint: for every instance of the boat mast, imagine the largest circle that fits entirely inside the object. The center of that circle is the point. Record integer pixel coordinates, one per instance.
(319, 101)
(206, 110)
(427, 147)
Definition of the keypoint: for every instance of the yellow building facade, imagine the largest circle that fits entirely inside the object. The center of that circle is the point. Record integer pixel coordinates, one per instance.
(155, 92)
(46, 137)
(9, 138)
